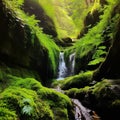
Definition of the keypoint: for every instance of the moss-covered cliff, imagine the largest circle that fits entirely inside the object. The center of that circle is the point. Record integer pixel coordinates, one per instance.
(29, 58)
(23, 43)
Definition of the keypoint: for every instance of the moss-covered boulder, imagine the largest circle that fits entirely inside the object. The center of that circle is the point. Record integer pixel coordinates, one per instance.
(23, 104)
(103, 97)
(77, 81)
(26, 98)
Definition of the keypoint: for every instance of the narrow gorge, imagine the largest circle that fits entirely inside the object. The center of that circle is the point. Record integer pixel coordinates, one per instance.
(59, 59)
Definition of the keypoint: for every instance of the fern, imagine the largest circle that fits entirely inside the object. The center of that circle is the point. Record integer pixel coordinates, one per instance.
(27, 106)
(27, 109)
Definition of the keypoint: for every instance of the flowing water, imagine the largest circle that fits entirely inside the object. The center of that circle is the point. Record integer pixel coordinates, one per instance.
(81, 112)
(63, 71)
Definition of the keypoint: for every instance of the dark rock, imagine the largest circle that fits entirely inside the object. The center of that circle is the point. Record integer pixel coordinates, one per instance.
(90, 21)
(33, 8)
(110, 68)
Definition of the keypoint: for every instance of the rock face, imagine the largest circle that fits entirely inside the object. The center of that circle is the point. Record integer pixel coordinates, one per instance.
(17, 47)
(89, 22)
(33, 8)
(110, 68)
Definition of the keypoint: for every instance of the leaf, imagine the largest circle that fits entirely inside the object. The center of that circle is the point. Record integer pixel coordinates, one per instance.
(96, 61)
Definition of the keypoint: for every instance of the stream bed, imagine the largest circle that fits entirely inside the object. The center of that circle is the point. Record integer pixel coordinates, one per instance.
(81, 112)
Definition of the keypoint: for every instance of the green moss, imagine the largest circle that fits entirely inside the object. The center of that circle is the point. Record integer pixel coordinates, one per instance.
(7, 114)
(26, 104)
(57, 98)
(71, 92)
(29, 83)
(77, 81)
(26, 96)
(18, 71)
(99, 87)
(59, 103)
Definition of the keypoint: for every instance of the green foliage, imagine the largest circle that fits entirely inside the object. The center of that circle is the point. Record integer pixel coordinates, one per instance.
(27, 110)
(71, 92)
(98, 56)
(55, 98)
(48, 6)
(78, 10)
(99, 87)
(90, 49)
(30, 100)
(68, 15)
(96, 6)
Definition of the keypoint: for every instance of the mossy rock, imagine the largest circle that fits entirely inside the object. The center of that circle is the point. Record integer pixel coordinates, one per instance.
(24, 43)
(103, 97)
(77, 81)
(26, 104)
(30, 91)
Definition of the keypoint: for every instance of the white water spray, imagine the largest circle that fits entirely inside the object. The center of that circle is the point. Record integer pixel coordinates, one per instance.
(62, 70)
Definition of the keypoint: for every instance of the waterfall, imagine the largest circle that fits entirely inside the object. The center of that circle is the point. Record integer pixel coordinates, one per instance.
(71, 64)
(62, 70)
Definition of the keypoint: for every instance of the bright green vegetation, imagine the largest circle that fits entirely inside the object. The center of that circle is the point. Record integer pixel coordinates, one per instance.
(63, 22)
(68, 15)
(92, 48)
(77, 10)
(76, 81)
(26, 98)
(95, 90)
(26, 104)
(22, 94)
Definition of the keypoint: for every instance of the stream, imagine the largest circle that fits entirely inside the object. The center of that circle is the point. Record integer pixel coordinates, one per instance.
(81, 112)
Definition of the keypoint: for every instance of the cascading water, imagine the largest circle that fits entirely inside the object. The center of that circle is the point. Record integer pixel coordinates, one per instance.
(62, 70)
